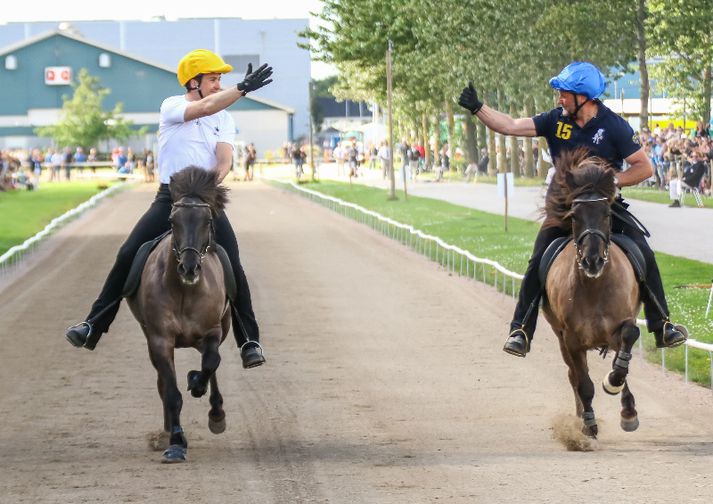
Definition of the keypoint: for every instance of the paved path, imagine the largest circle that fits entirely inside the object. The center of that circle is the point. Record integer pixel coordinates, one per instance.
(685, 232)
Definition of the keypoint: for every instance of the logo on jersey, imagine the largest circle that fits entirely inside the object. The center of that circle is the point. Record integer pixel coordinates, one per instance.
(635, 139)
(598, 136)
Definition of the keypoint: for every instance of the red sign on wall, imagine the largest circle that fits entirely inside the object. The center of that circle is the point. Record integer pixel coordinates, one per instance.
(58, 76)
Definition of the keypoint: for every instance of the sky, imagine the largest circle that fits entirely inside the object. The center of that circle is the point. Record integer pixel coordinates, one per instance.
(71, 10)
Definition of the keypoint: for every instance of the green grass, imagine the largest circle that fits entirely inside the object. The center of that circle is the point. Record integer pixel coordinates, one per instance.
(25, 213)
(687, 282)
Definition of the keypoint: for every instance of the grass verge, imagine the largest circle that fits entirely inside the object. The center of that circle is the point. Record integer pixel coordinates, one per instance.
(25, 213)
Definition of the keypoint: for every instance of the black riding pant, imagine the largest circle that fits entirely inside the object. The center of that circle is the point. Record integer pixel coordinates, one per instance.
(531, 289)
(152, 224)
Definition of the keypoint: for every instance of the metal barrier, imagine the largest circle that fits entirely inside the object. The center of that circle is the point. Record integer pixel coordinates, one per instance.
(455, 259)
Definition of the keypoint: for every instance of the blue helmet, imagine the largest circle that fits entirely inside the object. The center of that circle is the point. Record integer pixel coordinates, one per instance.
(581, 78)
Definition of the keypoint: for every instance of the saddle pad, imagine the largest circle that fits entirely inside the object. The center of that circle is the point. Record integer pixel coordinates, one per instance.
(137, 265)
(633, 252)
(552, 251)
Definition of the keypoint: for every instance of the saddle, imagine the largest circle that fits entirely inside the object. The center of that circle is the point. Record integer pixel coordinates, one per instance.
(632, 251)
(137, 267)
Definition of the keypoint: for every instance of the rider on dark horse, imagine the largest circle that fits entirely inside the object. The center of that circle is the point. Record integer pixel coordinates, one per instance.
(582, 120)
(194, 129)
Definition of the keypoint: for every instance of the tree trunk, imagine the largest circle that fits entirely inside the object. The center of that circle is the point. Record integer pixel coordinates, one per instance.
(451, 126)
(707, 94)
(643, 70)
(470, 140)
(425, 140)
(502, 145)
(527, 144)
(492, 154)
(514, 148)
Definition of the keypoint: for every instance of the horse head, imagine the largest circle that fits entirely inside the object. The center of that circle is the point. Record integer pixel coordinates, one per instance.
(197, 200)
(591, 228)
(193, 233)
(580, 199)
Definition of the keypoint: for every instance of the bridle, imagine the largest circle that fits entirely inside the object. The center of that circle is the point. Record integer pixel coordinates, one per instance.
(590, 231)
(201, 253)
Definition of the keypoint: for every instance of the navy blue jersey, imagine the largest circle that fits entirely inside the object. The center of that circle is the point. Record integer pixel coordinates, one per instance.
(607, 135)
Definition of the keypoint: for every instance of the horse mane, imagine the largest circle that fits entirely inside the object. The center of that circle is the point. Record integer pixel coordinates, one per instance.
(577, 173)
(196, 182)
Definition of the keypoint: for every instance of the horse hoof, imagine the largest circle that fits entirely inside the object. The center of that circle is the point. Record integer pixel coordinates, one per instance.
(629, 424)
(609, 388)
(174, 454)
(216, 426)
(194, 384)
(590, 431)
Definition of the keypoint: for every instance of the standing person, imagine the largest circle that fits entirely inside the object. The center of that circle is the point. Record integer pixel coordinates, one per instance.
(581, 120)
(384, 155)
(194, 129)
(250, 158)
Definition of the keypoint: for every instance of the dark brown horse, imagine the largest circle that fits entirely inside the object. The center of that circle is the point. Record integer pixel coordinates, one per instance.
(592, 293)
(181, 301)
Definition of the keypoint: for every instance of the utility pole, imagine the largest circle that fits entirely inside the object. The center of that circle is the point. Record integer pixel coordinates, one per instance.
(392, 179)
(311, 141)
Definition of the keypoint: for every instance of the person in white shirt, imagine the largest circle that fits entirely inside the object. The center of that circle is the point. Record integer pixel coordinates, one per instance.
(194, 130)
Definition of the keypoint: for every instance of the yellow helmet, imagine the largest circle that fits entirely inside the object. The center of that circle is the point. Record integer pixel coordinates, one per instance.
(200, 61)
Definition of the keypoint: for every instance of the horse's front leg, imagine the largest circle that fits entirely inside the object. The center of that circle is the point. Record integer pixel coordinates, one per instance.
(585, 390)
(629, 417)
(162, 359)
(216, 415)
(615, 381)
(210, 360)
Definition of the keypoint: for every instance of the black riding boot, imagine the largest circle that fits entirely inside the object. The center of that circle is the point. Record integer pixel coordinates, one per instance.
(524, 321)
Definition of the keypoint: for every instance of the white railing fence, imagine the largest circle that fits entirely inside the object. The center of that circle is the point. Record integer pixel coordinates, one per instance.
(455, 259)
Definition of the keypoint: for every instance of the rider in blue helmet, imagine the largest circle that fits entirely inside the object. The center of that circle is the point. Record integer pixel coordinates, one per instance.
(581, 120)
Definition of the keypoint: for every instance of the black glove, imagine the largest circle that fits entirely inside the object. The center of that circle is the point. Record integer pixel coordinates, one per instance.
(255, 80)
(469, 99)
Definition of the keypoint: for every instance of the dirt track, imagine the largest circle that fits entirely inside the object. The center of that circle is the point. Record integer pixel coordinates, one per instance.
(385, 383)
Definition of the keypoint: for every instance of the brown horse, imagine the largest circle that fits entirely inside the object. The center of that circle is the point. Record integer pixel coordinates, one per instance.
(591, 292)
(181, 301)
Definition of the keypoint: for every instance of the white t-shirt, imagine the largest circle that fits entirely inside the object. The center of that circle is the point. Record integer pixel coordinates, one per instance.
(182, 144)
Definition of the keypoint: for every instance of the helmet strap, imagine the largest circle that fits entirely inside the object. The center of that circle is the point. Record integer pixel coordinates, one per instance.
(577, 105)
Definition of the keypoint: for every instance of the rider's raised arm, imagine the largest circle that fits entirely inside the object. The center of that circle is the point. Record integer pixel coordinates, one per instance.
(505, 124)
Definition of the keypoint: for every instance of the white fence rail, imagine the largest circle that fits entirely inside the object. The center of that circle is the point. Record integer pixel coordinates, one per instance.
(15, 254)
(455, 259)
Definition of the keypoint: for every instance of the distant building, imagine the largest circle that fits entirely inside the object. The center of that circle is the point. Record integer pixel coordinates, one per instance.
(37, 72)
(238, 41)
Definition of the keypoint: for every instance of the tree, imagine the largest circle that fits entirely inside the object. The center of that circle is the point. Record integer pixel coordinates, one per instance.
(682, 35)
(83, 121)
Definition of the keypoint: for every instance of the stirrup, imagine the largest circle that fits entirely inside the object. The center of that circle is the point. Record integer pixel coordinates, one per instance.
(676, 342)
(252, 344)
(514, 347)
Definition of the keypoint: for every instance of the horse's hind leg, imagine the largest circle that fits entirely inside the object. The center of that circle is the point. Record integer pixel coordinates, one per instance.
(198, 380)
(216, 415)
(162, 359)
(615, 381)
(629, 417)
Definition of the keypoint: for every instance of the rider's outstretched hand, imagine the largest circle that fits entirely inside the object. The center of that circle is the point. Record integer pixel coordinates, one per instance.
(255, 80)
(469, 99)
